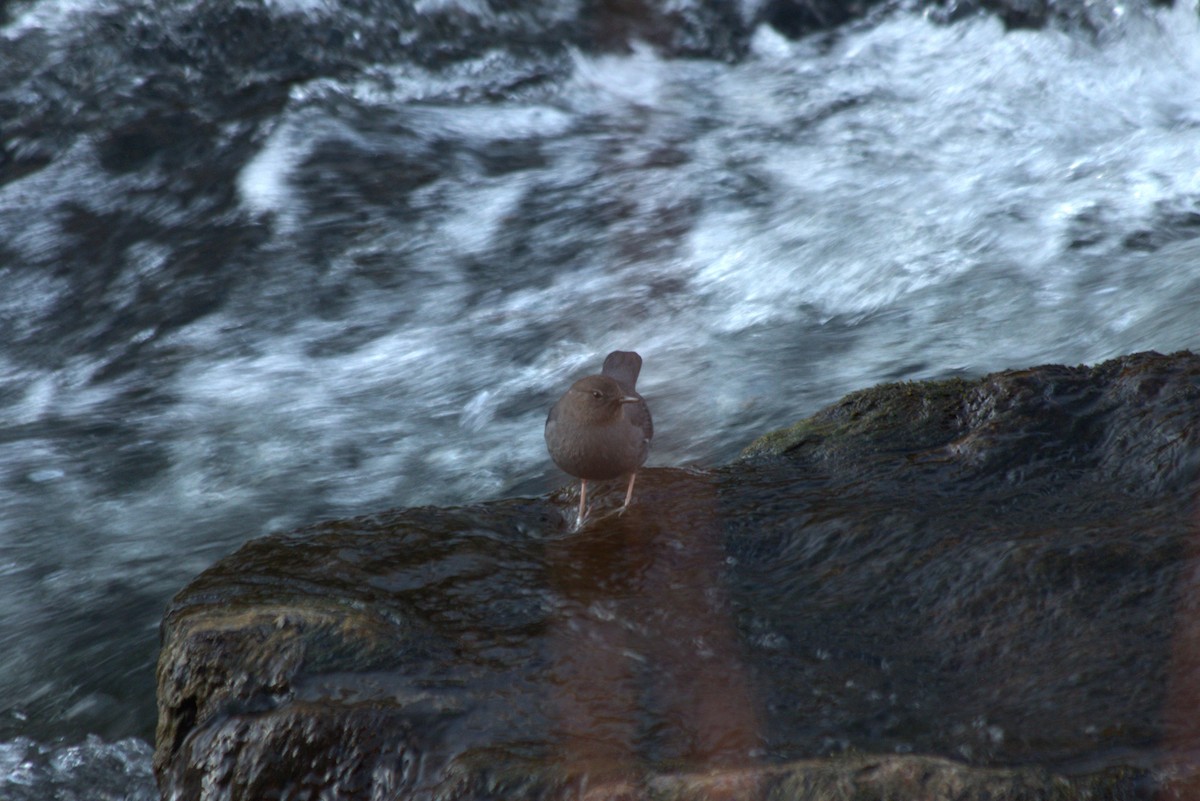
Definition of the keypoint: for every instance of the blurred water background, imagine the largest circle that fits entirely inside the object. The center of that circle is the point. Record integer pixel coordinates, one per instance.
(266, 263)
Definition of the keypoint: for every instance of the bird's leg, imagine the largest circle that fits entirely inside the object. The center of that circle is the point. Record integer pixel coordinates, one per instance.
(628, 492)
(582, 500)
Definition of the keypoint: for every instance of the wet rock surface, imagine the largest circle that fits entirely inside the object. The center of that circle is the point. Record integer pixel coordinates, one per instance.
(959, 589)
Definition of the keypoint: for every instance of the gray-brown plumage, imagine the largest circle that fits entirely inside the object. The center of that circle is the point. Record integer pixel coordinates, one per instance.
(601, 428)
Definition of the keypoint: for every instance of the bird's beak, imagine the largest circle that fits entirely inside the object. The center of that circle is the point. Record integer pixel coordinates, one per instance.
(629, 399)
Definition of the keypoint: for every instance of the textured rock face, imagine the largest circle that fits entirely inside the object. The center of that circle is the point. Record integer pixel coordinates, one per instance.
(985, 573)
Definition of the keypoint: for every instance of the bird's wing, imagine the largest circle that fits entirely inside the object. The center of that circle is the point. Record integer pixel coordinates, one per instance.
(639, 414)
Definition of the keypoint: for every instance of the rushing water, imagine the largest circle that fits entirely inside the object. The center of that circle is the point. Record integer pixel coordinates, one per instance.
(363, 288)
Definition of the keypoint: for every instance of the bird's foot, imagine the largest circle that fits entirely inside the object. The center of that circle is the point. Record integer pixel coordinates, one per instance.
(606, 515)
(581, 518)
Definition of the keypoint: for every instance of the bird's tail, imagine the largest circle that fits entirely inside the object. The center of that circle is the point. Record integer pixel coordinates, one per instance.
(623, 367)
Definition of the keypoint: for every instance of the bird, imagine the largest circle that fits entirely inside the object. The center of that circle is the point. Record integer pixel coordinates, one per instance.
(601, 428)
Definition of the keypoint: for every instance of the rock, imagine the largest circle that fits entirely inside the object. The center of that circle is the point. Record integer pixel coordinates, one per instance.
(797, 18)
(958, 589)
(1128, 421)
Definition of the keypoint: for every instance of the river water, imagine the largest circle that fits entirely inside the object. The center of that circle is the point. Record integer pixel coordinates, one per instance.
(275, 264)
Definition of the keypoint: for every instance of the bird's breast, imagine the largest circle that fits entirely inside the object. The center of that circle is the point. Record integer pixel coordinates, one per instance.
(596, 450)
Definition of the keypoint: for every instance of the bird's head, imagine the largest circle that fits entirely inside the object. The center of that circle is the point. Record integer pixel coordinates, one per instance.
(597, 399)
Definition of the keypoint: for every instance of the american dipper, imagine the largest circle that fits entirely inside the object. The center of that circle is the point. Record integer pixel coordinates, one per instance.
(601, 429)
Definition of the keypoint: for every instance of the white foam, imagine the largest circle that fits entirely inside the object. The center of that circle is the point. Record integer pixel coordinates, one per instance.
(320, 8)
(639, 78)
(472, 8)
(263, 183)
(52, 16)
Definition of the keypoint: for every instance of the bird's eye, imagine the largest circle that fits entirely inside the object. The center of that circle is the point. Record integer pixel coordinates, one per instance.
(597, 394)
